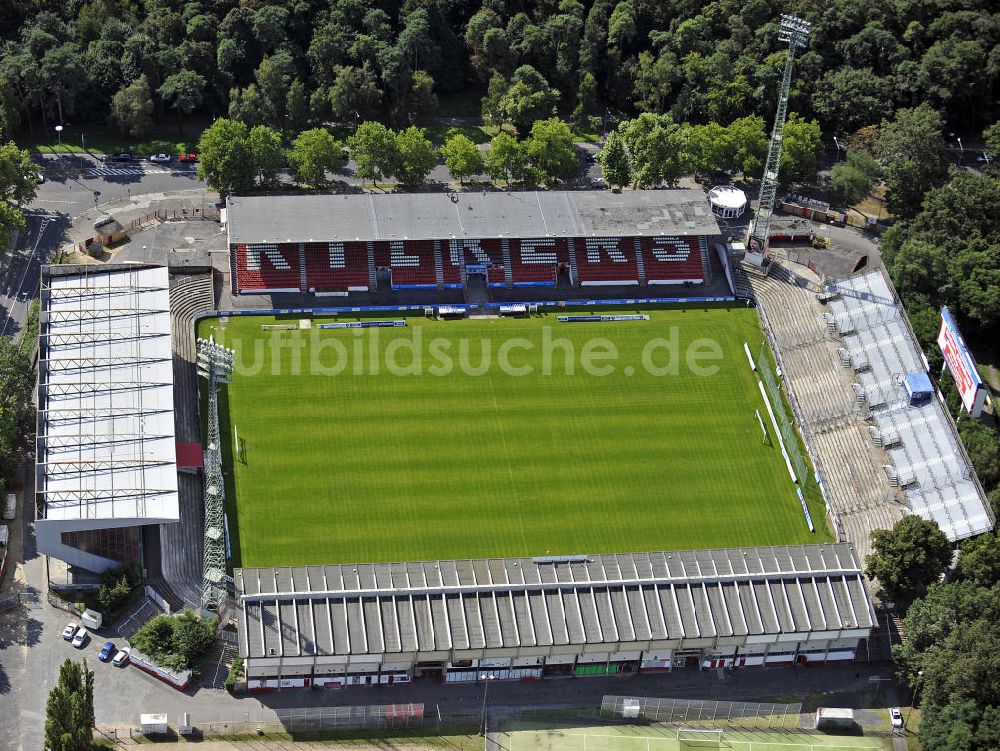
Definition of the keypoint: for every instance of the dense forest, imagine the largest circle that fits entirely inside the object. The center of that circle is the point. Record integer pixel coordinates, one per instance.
(293, 63)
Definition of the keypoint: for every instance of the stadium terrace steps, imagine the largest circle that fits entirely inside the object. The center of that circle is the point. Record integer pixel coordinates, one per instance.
(181, 543)
(639, 262)
(820, 388)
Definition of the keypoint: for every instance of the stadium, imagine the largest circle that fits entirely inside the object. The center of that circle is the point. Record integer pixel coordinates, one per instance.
(534, 434)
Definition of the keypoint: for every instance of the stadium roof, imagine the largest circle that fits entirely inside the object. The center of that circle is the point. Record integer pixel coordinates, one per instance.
(921, 440)
(106, 446)
(435, 216)
(518, 603)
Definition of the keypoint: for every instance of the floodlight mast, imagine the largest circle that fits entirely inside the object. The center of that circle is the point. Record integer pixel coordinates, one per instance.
(215, 364)
(794, 31)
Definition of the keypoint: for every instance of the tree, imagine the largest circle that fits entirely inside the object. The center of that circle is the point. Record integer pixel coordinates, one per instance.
(653, 143)
(69, 711)
(185, 90)
(851, 98)
(492, 103)
(552, 150)
(528, 98)
(951, 728)
(506, 160)
(802, 150)
(114, 594)
(930, 620)
(991, 137)
(908, 558)
(979, 560)
(911, 150)
(747, 145)
(314, 153)
(354, 94)
(297, 107)
(983, 444)
(423, 100)
(19, 178)
(614, 161)
(177, 642)
(462, 157)
(374, 151)
(266, 154)
(853, 179)
(16, 385)
(132, 108)
(225, 159)
(417, 156)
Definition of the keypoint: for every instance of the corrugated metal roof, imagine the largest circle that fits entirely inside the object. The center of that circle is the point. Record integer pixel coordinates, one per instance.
(937, 478)
(434, 216)
(455, 605)
(106, 446)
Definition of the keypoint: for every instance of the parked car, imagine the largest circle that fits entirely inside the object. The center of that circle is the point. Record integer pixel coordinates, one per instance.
(598, 182)
(590, 157)
(160, 158)
(897, 718)
(121, 156)
(70, 631)
(121, 659)
(107, 651)
(80, 638)
(188, 158)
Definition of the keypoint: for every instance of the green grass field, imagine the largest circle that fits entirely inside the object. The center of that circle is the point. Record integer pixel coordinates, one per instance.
(654, 738)
(358, 466)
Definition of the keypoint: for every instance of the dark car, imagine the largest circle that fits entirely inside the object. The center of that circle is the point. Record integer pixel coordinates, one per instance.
(107, 651)
(121, 156)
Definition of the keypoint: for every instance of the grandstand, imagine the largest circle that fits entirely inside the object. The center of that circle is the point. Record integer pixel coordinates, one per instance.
(844, 350)
(105, 454)
(343, 244)
(524, 618)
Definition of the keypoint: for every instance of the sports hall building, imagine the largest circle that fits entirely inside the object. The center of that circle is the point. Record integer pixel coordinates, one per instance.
(525, 618)
(363, 243)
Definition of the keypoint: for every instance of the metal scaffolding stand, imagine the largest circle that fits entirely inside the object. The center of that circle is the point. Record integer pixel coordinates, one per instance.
(215, 364)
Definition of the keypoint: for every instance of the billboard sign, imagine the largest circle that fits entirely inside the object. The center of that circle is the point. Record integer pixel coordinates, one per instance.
(958, 359)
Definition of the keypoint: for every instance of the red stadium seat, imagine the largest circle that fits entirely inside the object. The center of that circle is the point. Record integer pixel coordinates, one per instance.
(671, 260)
(337, 266)
(264, 267)
(412, 263)
(606, 260)
(534, 262)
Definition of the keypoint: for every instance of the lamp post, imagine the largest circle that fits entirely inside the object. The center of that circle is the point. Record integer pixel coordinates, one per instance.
(59, 130)
(913, 699)
(961, 150)
(839, 147)
(486, 690)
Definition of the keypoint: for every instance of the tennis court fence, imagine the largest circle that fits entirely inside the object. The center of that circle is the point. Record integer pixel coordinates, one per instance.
(695, 711)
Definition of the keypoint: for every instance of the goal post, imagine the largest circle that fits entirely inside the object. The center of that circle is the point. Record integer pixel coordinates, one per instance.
(699, 738)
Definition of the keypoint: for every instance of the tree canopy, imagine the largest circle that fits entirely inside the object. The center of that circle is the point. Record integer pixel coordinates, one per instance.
(714, 61)
(908, 558)
(69, 711)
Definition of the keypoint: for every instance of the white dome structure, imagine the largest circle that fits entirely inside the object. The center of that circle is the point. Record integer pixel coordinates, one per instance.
(728, 201)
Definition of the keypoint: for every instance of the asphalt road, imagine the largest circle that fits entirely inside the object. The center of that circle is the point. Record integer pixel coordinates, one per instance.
(72, 182)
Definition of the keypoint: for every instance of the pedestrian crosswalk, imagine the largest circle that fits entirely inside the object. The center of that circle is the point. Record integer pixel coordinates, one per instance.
(126, 171)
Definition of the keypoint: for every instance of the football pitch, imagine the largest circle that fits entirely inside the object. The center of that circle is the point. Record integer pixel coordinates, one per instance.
(499, 437)
(653, 738)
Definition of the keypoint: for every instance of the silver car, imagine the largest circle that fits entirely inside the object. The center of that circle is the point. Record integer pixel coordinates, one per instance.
(81, 637)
